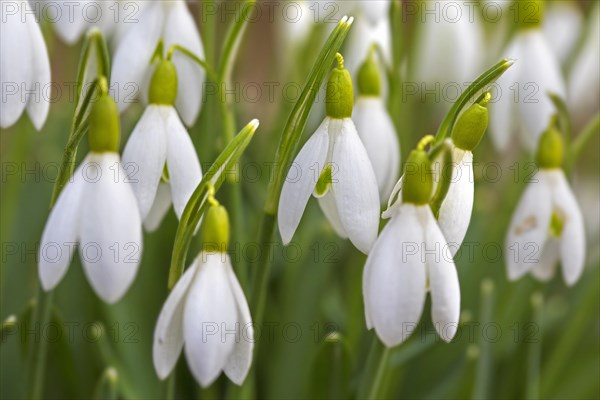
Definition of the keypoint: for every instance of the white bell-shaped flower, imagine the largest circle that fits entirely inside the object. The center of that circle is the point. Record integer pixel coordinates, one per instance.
(173, 22)
(72, 19)
(158, 140)
(361, 39)
(409, 258)
(562, 26)
(334, 165)
(24, 68)
(376, 129)
(97, 211)
(547, 226)
(522, 103)
(207, 315)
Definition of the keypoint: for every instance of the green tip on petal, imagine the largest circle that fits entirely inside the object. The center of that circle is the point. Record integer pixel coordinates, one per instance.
(105, 129)
(471, 125)
(369, 78)
(324, 181)
(557, 223)
(215, 229)
(528, 13)
(340, 94)
(163, 86)
(418, 180)
(550, 150)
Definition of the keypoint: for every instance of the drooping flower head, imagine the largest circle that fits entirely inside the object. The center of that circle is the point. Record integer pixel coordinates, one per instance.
(409, 258)
(334, 166)
(24, 66)
(96, 211)
(160, 155)
(547, 226)
(206, 314)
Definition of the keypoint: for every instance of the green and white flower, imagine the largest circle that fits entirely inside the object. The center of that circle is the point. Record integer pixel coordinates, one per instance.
(97, 211)
(24, 68)
(207, 314)
(160, 143)
(334, 166)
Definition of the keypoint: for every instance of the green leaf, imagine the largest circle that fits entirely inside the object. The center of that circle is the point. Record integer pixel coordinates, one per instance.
(197, 204)
(474, 90)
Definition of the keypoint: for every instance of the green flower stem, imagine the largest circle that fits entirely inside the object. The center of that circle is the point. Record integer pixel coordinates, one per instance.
(40, 347)
(534, 356)
(564, 119)
(233, 39)
(483, 374)
(208, 26)
(206, 66)
(376, 387)
(287, 148)
(473, 91)
(197, 203)
(581, 141)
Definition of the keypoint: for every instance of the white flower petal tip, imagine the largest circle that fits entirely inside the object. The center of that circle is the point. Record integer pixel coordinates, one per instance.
(208, 316)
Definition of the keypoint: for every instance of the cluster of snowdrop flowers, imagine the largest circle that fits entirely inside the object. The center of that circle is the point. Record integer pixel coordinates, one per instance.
(409, 258)
(344, 181)
(537, 74)
(173, 22)
(205, 307)
(166, 167)
(547, 226)
(96, 210)
(24, 68)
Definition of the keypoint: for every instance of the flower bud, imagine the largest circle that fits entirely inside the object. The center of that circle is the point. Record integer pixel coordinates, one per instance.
(215, 229)
(471, 125)
(105, 129)
(163, 86)
(340, 95)
(528, 13)
(369, 79)
(550, 148)
(418, 180)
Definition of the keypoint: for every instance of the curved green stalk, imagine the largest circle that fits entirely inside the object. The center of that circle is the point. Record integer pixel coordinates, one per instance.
(581, 141)
(40, 348)
(483, 374)
(474, 89)
(232, 40)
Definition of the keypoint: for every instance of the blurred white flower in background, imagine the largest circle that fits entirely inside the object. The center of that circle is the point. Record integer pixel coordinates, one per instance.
(24, 66)
(562, 27)
(206, 313)
(173, 22)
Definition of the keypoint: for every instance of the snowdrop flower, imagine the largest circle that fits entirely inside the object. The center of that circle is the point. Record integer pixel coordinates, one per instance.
(455, 211)
(547, 226)
(160, 143)
(24, 68)
(583, 96)
(562, 27)
(173, 22)
(450, 45)
(334, 166)
(72, 19)
(96, 210)
(536, 73)
(375, 127)
(409, 258)
(207, 314)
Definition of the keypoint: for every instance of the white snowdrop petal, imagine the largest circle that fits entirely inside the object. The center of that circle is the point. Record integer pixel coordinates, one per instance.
(38, 101)
(131, 59)
(395, 199)
(180, 29)
(355, 188)
(541, 71)
(455, 212)
(572, 238)
(239, 362)
(562, 26)
(329, 208)
(61, 232)
(375, 10)
(301, 180)
(546, 265)
(376, 130)
(209, 320)
(70, 21)
(443, 280)
(394, 278)
(528, 229)
(162, 203)
(168, 335)
(182, 161)
(145, 154)
(361, 37)
(111, 232)
(16, 62)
